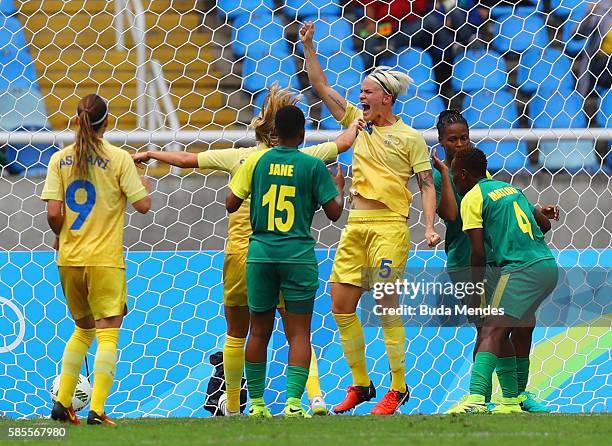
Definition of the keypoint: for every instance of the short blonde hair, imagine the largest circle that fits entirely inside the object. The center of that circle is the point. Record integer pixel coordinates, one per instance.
(277, 97)
(393, 82)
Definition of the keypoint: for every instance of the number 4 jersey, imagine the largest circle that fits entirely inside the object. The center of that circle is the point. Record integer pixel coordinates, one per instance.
(506, 217)
(286, 188)
(92, 234)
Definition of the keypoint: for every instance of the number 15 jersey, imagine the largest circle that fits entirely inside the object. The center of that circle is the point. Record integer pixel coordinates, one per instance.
(286, 188)
(510, 229)
(94, 207)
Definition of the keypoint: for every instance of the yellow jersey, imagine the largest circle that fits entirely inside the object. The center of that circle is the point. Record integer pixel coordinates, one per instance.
(94, 208)
(230, 160)
(385, 159)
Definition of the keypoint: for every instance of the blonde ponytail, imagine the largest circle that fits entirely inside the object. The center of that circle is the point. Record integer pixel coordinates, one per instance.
(277, 97)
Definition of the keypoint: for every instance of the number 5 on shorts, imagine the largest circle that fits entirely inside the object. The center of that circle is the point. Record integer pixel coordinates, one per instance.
(385, 269)
(84, 208)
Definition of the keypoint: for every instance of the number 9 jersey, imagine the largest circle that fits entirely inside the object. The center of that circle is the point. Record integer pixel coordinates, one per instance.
(506, 217)
(94, 207)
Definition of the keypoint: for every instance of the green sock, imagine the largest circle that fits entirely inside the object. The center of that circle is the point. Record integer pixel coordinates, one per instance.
(482, 373)
(256, 378)
(506, 373)
(296, 381)
(522, 373)
(489, 392)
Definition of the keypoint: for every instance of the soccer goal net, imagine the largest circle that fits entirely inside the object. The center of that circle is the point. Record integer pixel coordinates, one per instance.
(531, 78)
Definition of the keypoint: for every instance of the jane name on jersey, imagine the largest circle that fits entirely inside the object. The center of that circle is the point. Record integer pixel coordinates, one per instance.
(281, 170)
(94, 161)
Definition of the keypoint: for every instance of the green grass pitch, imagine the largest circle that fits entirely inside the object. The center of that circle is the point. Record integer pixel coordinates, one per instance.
(491, 430)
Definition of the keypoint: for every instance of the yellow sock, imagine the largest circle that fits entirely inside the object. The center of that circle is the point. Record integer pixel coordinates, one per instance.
(395, 342)
(72, 361)
(233, 365)
(353, 345)
(313, 386)
(104, 367)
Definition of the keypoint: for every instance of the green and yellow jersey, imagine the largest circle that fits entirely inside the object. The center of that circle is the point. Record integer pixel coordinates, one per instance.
(384, 160)
(92, 234)
(510, 228)
(230, 160)
(456, 242)
(286, 187)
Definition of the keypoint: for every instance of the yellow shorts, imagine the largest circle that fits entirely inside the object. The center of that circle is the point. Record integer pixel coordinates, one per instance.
(97, 291)
(234, 281)
(373, 247)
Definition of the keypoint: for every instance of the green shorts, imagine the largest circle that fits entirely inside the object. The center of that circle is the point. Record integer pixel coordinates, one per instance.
(520, 292)
(297, 282)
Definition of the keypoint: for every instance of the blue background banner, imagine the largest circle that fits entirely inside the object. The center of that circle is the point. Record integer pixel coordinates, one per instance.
(176, 322)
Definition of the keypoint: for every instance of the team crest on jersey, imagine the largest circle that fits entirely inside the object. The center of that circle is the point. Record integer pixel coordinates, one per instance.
(391, 140)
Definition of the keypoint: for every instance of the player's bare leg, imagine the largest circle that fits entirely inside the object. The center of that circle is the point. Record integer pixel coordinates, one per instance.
(237, 319)
(260, 333)
(105, 365)
(345, 298)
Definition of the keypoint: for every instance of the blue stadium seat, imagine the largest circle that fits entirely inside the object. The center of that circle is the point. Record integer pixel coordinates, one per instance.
(332, 35)
(419, 108)
(550, 69)
(545, 113)
(564, 8)
(418, 64)
(311, 9)
(523, 29)
(7, 7)
(17, 68)
(29, 159)
(343, 70)
(574, 42)
(234, 8)
(496, 110)
(504, 9)
(258, 73)
(479, 69)
(257, 34)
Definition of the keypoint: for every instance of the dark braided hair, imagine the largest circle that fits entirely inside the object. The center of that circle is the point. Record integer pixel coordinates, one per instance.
(449, 117)
(473, 160)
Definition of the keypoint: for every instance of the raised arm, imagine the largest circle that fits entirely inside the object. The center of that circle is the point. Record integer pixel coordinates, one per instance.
(330, 97)
(428, 202)
(179, 159)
